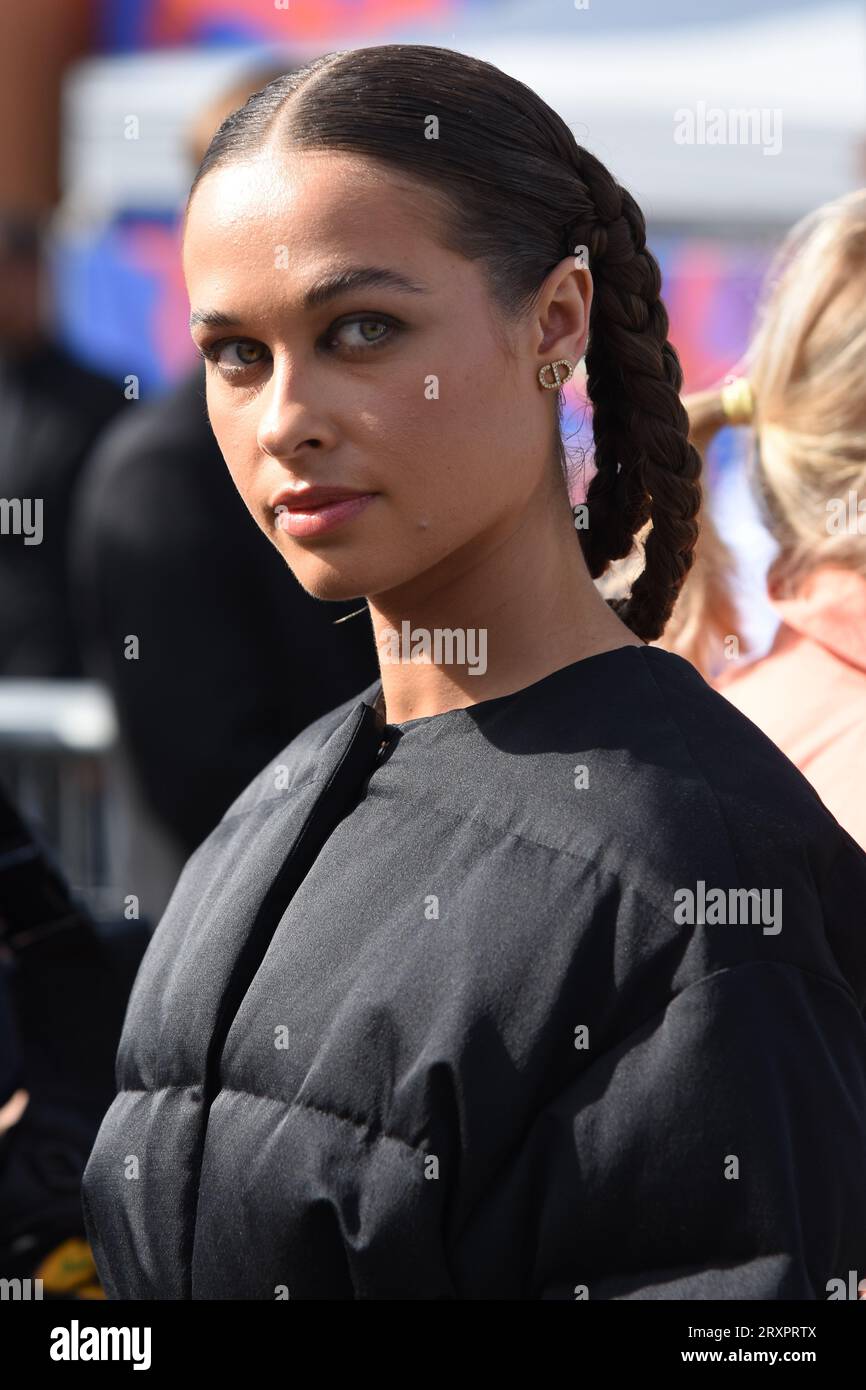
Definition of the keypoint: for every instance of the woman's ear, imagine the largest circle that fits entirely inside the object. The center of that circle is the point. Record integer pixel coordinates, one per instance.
(563, 311)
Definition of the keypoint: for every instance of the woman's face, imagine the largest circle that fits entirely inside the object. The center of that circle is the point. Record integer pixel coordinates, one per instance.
(405, 394)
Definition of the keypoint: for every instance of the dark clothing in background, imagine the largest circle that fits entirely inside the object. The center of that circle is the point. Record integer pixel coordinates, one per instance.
(51, 411)
(235, 657)
(350, 1065)
(64, 985)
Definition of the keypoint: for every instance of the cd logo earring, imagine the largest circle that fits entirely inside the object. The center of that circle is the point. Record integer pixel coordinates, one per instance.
(558, 380)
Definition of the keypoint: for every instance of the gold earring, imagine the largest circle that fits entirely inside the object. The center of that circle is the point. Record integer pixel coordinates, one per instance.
(557, 379)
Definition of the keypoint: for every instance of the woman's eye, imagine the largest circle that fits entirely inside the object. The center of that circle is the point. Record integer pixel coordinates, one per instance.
(233, 356)
(365, 332)
(237, 354)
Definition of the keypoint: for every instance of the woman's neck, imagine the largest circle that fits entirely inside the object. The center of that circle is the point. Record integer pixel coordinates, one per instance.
(473, 628)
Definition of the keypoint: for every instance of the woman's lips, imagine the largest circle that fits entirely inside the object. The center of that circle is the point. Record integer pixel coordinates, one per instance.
(312, 521)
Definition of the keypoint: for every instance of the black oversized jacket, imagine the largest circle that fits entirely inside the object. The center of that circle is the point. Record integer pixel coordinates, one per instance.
(432, 1021)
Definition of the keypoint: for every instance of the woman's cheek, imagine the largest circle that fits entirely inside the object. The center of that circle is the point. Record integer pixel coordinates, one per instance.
(236, 440)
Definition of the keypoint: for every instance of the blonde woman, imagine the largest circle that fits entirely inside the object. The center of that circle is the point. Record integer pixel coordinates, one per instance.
(804, 396)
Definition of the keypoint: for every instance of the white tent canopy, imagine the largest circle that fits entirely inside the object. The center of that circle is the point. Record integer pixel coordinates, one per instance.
(625, 93)
(620, 94)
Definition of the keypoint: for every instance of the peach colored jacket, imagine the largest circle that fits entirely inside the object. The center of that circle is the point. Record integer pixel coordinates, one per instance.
(809, 692)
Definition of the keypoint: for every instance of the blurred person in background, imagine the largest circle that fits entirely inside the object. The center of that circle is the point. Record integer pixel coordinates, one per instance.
(804, 395)
(234, 657)
(64, 979)
(64, 984)
(51, 411)
(51, 408)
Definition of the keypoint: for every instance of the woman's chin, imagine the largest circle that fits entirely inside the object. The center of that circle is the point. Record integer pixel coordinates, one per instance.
(331, 582)
(337, 576)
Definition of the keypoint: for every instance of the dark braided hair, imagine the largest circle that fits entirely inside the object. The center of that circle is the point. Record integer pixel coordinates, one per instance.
(518, 194)
(646, 468)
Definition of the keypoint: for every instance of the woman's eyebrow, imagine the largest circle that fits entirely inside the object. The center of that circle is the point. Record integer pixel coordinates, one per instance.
(359, 278)
(355, 278)
(212, 318)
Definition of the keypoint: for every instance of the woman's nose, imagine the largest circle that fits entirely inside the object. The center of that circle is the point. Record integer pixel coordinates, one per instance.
(287, 420)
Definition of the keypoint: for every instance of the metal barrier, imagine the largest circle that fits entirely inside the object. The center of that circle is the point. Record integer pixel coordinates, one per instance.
(57, 740)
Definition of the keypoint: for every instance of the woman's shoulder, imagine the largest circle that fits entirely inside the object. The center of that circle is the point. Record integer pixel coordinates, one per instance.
(659, 797)
(648, 716)
(770, 812)
(634, 762)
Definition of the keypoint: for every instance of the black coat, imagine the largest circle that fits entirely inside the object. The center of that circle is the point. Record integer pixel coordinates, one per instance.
(424, 1022)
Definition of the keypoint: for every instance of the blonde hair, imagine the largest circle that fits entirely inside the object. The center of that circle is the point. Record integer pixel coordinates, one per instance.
(806, 365)
(705, 614)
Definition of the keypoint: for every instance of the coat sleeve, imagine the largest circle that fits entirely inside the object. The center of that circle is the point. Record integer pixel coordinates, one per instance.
(718, 1152)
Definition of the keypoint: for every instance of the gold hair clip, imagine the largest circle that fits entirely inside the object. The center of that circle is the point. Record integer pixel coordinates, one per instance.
(738, 402)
